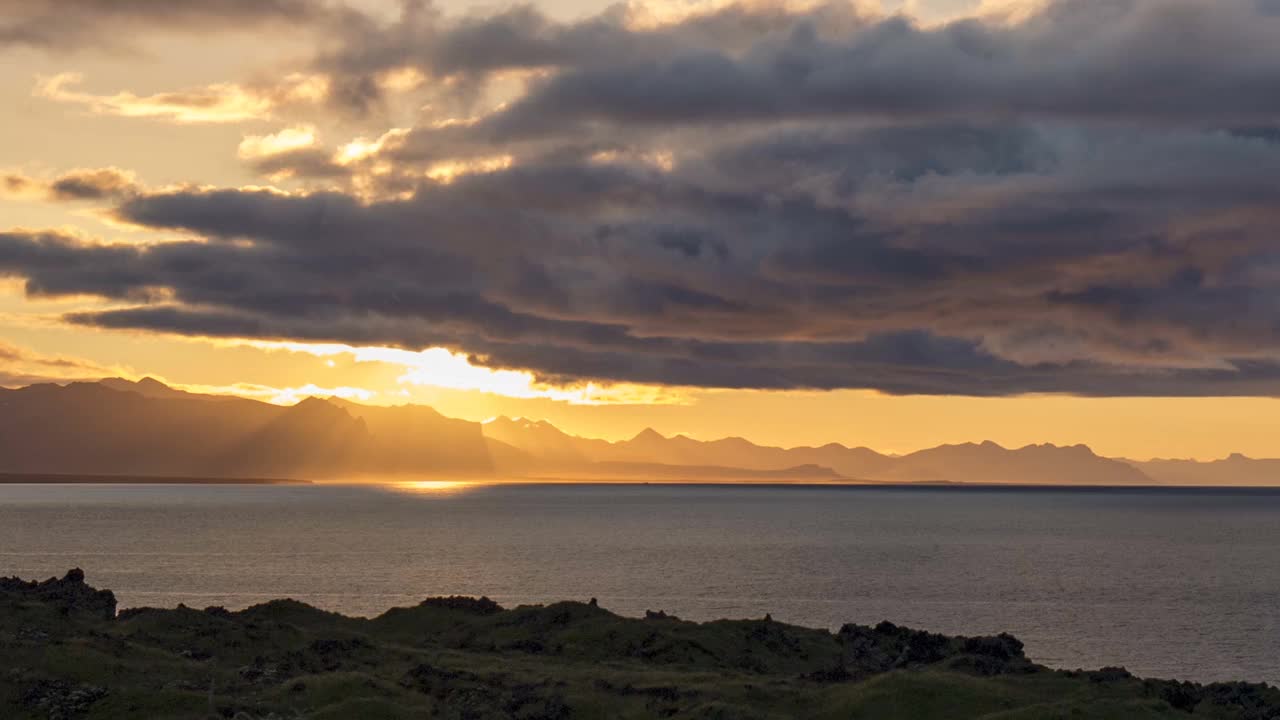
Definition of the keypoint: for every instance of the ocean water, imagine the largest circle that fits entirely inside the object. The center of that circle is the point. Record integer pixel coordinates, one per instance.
(1168, 582)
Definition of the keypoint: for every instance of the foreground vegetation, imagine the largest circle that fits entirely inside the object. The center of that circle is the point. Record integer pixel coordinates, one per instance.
(65, 653)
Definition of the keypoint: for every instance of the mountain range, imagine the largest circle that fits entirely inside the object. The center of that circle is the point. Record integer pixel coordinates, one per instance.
(145, 428)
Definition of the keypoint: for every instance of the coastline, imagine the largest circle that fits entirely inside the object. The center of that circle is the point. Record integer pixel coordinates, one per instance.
(69, 653)
(90, 479)
(468, 481)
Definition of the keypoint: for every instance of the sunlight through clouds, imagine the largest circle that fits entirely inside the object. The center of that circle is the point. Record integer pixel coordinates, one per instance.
(278, 396)
(291, 138)
(438, 367)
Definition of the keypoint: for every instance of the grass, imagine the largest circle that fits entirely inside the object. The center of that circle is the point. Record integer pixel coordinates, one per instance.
(64, 655)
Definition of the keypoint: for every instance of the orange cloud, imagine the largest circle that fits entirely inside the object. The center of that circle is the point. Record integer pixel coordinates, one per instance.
(215, 103)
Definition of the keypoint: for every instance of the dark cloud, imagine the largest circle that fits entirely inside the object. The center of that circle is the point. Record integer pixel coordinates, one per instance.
(310, 162)
(979, 259)
(107, 183)
(1080, 202)
(73, 24)
(467, 51)
(1164, 61)
(90, 184)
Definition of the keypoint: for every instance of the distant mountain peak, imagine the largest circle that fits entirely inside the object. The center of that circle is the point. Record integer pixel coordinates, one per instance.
(648, 435)
(502, 422)
(147, 387)
(314, 403)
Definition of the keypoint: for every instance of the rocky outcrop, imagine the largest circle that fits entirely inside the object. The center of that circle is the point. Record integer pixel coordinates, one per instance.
(885, 647)
(69, 594)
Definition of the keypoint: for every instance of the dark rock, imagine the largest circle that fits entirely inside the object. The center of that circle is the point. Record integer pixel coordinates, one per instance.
(1251, 701)
(70, 595)
(888, 647)
(1109, 674)
(61, 699)
(1181, 695)
(473, 606)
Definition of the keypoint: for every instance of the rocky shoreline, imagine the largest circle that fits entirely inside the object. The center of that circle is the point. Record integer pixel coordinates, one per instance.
(65, 652)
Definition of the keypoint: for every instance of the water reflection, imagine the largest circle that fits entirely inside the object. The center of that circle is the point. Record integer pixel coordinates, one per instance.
(435, 487)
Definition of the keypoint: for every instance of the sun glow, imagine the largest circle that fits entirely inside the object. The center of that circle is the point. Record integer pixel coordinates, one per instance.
(441, 487)
(442, 368)
(277, 395)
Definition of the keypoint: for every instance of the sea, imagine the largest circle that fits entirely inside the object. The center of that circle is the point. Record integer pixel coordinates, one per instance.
(1167, 582)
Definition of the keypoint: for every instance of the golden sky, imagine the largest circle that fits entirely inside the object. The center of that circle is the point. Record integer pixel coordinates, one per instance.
(148, 108)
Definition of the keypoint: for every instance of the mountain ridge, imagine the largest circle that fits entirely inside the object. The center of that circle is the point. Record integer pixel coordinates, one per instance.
(146, 428)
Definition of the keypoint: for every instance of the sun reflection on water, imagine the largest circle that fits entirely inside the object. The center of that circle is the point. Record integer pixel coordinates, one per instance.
(433, 486)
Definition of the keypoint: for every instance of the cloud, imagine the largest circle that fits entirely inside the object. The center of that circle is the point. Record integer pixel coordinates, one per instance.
(1077, 199)
(979, 259)
(438, 367)
(75, 24)
(21, 366)
(1166, 61)
(292, 152)
(76, 185)
(217, 103)
(1120, 61)
(99, 184)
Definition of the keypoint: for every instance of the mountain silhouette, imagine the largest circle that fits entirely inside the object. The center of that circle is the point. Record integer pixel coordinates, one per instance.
(147, 429)
(969, 463)
(313, 438)
(549, 448)
(150, 387)
(1235, 469)
(416, 438)
(118, 427)
(988, 462)
(524, 442)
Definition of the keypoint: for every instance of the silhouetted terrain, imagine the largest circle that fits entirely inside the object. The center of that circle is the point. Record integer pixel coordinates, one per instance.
(1233, 470)
(118, 427)
(988, 462)
(23, 478)
(660, 471)
(552, 450)
(67, 654)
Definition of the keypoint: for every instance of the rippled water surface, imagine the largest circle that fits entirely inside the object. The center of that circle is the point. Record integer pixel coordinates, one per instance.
(1170, 583)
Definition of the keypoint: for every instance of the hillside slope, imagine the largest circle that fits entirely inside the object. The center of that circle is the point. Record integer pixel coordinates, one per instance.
(146, 429)
(67, 654)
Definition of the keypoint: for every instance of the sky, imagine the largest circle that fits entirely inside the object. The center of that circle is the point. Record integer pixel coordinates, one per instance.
(891, 224)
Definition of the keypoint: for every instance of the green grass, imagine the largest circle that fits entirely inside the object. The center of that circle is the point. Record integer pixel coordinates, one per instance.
(61, 656)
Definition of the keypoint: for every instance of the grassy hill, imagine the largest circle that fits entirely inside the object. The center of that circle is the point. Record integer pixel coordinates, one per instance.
(66, 653)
